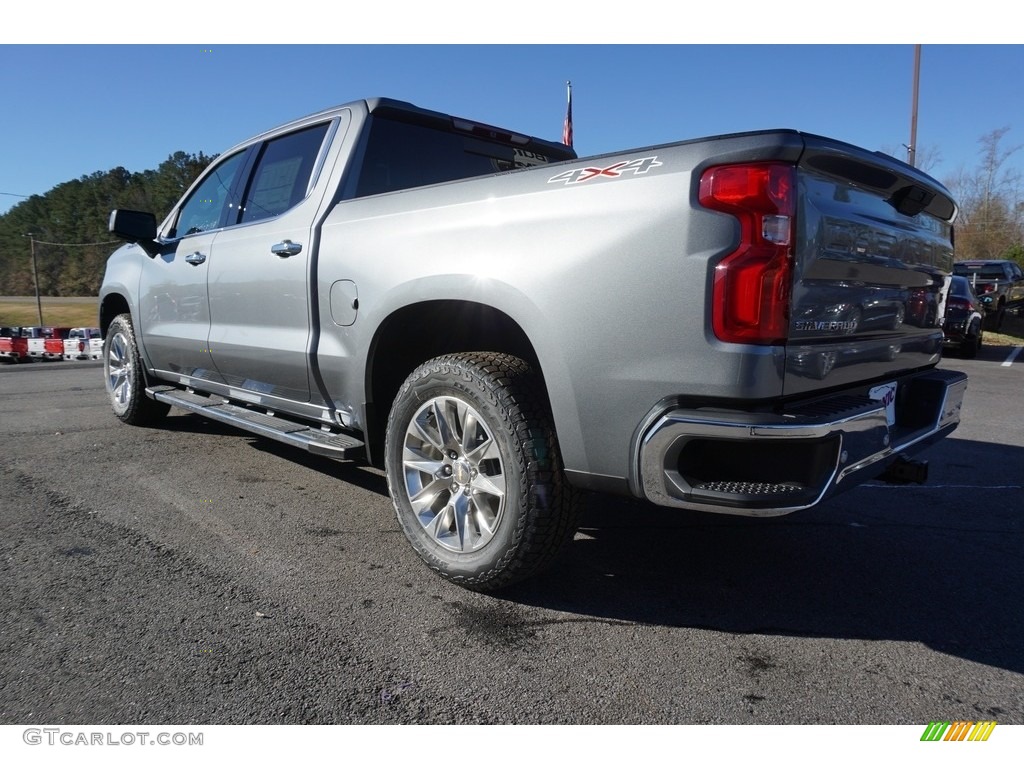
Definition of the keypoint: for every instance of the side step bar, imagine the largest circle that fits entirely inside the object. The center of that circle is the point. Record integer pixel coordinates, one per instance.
(336, 445)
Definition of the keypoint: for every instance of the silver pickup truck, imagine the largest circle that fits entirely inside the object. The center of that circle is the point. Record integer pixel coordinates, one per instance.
(744, 324)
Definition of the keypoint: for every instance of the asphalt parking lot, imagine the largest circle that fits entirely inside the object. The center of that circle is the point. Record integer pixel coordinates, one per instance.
(196, 574)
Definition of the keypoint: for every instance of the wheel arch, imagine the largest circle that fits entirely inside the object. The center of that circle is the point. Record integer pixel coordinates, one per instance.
(112, 305)
(419, 332)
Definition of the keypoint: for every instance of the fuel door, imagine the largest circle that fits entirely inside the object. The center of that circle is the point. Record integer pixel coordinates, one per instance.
(344, 302)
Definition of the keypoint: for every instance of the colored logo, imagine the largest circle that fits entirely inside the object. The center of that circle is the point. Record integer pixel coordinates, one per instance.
(579, 175)
(958, 730)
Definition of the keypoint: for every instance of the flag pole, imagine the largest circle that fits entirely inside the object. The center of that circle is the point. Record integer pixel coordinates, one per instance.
(567, 127)
(912, 147)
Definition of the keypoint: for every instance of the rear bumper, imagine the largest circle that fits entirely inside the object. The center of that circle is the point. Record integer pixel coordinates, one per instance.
(764, 464)
(955, 331)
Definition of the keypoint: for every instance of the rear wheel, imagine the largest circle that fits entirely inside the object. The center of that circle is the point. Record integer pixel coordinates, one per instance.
(474, 470)
(899, 317)
(122, 374)
(972, 343)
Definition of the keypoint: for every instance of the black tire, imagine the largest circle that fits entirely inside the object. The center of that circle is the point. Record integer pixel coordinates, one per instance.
(463, 428)
(972, 343)
(124, 378)
(900, 316)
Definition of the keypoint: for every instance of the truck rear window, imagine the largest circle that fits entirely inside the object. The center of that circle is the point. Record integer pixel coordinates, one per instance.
(983, 271)
(402, 155)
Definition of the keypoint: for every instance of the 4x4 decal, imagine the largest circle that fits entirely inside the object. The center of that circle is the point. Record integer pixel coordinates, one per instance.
(579, 175)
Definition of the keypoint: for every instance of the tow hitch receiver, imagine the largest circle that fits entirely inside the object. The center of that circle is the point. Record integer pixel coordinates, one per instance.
(905, 470)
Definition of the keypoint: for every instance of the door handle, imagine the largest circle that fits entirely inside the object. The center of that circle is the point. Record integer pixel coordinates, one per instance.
(195, 258)
(286, 248)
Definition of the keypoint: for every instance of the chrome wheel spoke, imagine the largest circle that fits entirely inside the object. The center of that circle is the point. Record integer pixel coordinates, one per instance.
(439, 526)
(427, 433)
(454, 475)
(447, 417)
(117, 378)
(417, 460)
(425, 497)
(487, 450)
(484, 521)
(470, 429)
(121, 390)
(490, 486)
(119, 370)
(117, 351)
(461, 508)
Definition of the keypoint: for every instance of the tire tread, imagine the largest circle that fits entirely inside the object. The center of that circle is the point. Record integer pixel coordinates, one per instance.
(141, 411)
(516, 392)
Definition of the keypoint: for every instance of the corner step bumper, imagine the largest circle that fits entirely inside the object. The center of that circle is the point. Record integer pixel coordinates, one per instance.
(763, 464)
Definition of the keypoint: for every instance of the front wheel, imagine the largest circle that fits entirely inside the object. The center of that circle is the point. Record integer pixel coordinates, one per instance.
(122, 374)
(474, 470)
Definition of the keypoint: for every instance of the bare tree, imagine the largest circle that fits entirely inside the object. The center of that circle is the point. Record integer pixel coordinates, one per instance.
(925, 158)
(991, 221)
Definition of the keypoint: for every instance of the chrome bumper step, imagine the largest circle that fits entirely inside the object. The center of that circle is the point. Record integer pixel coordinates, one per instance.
(764, 464)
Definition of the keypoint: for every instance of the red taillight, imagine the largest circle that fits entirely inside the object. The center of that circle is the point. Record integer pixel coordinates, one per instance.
(752, 284)
(958, 303)
(81, 346)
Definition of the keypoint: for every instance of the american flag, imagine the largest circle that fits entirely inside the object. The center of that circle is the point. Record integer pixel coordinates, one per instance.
(567, 128)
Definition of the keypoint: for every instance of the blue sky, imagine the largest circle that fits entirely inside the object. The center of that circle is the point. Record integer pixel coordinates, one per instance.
(74, 109)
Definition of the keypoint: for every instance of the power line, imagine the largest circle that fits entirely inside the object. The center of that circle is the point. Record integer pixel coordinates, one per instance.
(76, 245)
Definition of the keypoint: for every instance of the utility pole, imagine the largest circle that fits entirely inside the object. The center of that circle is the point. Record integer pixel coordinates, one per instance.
(912, 147)
(35, 276)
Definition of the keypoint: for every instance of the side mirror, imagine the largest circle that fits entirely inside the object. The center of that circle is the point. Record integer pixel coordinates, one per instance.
(135, 227)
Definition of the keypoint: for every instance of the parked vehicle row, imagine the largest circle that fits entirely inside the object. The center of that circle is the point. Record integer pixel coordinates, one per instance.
(24, 344)
(998, 283)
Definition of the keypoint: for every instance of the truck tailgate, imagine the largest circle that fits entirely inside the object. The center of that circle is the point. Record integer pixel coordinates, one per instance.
(874, 246)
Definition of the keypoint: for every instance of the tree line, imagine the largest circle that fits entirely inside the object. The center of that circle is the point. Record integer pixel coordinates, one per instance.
(68, 224)
(991, 220)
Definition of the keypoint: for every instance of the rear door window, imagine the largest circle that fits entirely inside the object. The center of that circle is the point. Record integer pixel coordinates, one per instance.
(283, 173)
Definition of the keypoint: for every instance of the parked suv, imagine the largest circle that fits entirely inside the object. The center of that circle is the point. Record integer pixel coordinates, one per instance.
(999, 285)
